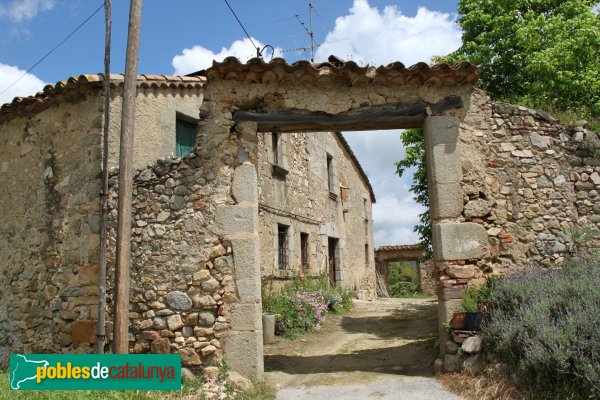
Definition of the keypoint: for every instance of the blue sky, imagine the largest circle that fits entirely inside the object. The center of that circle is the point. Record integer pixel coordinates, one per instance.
(182, 36)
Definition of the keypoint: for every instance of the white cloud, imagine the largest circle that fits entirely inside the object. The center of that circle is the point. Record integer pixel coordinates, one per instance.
(368, 35)
(395, 213)
(26, 86)
(198, 57)
(24, 10)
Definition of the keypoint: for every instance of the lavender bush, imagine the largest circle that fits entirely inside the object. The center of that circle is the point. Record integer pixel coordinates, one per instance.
(545, 324)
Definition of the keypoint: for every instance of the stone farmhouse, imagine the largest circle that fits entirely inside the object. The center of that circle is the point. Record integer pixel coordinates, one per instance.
(313, 200)
(506, 186)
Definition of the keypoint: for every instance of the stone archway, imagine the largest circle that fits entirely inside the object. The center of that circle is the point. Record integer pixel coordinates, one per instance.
(243, 99)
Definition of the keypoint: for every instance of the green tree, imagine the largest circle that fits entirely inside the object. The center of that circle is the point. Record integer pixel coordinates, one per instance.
(543, 53)
(412, 139)
(402, 278)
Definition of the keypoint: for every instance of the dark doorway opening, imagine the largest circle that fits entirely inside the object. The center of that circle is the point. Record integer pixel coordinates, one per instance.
(333, 262)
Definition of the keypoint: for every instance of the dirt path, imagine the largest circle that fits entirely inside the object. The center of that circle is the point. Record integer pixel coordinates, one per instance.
(383, 342)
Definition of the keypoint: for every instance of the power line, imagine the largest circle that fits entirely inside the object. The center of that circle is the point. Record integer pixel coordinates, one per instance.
(244, 29)
(55, 47)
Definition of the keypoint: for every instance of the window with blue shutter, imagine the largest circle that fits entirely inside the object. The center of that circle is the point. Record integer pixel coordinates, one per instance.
(185, 137)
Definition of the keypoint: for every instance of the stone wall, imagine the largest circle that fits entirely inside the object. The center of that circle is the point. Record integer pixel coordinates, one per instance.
(182, 275)
(528, 180)
(50, 164)
(156, 111)
(301, 200)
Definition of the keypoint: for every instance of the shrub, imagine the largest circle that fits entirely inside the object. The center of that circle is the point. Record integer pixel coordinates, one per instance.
(545, 324)
(303, 304)
(402, 279)
(470, 300)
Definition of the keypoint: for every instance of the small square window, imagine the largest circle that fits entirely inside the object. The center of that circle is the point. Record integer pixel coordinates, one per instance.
(185, 137)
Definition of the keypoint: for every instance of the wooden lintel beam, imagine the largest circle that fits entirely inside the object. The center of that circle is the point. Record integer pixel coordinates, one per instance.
(399, 116)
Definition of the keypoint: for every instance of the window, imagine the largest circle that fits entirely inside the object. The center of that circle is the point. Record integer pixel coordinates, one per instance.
(304, 250)
(366, 209)
(185, 137)
(275, 144)
(282, 246)
(367, 256)
(330, 172)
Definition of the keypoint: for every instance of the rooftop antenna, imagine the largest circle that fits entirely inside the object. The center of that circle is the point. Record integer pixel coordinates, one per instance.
(309, 30)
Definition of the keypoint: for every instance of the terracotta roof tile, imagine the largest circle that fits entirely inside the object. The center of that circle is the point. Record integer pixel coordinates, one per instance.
(279, 71)
(19, 104)
(400, 247)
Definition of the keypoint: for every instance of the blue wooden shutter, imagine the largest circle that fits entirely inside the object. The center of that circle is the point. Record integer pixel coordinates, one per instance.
(185, 137)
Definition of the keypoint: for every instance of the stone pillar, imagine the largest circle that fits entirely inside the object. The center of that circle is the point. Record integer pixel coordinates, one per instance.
(452, 240)
(239, 224)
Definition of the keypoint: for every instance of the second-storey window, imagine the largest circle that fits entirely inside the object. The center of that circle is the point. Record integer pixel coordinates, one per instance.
(330, 172)
(282, 246)
(185, 137)
(275, 144)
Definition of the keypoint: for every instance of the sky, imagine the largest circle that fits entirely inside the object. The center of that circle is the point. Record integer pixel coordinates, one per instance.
(183, 36)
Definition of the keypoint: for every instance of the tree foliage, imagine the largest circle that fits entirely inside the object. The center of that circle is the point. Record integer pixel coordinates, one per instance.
(543, 53)
(412, 139)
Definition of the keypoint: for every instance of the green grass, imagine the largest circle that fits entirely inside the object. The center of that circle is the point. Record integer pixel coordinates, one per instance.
(259, 391)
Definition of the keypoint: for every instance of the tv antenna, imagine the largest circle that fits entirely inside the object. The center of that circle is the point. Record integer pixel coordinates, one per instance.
(309, 30)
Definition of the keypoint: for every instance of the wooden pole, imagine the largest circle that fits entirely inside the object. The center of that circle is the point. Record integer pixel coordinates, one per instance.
(101, 327)
(121, 314)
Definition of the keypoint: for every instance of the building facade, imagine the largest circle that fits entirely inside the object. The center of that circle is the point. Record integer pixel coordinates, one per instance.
(314, 208)
(313, 194)
(506, 184)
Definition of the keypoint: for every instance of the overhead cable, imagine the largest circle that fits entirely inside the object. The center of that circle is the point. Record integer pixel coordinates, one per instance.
(55, 47)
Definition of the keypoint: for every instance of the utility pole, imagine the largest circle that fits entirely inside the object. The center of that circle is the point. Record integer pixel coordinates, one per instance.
(121, 312)
(101, 327)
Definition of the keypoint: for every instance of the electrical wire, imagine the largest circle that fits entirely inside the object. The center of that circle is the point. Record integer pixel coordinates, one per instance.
(54, 48)
(242, 25)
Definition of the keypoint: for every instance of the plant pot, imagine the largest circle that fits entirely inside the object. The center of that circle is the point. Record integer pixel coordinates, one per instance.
(458, 321)
(473, 321)
(268, 321)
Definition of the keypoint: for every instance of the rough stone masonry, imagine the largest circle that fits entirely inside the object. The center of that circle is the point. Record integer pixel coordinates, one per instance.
(506, 185)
